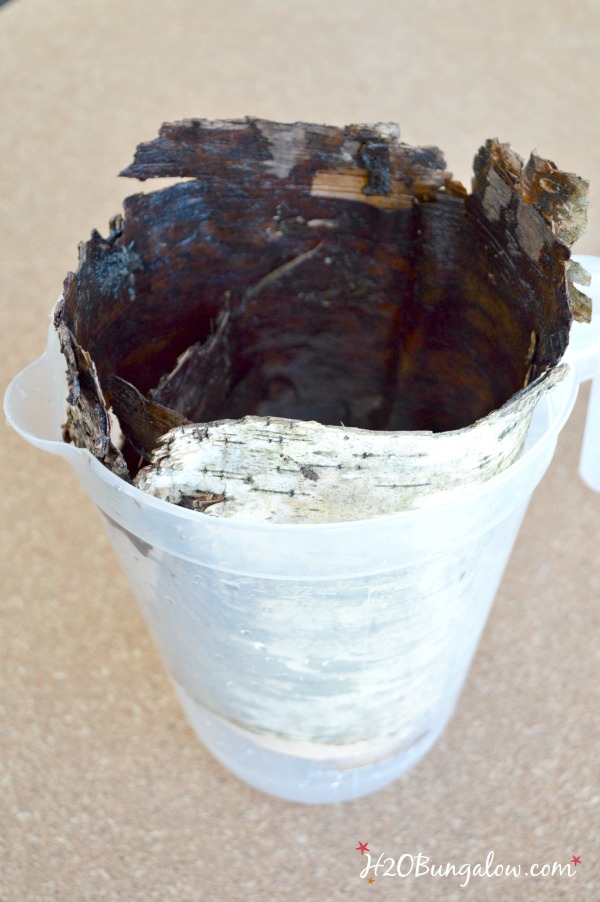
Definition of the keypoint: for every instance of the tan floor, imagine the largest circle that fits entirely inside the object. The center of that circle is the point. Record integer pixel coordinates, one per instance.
(106, 794)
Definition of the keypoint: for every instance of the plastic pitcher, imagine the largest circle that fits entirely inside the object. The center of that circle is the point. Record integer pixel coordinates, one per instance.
(318, 662)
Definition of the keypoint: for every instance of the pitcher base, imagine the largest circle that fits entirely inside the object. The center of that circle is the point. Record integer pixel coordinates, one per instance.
(274, 765)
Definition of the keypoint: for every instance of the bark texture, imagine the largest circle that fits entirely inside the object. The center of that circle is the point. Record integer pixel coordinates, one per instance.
(312, 273)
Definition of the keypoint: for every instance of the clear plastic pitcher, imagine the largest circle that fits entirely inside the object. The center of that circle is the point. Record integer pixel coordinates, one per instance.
(318, 662)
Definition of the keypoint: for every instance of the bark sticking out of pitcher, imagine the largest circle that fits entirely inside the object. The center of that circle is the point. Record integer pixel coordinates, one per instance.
(319, 324)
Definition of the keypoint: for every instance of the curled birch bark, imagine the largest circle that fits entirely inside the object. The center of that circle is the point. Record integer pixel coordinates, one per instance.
(332, 288)
(289, 471)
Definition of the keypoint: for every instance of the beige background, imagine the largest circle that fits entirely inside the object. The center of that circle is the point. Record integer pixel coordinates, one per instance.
(105, 792)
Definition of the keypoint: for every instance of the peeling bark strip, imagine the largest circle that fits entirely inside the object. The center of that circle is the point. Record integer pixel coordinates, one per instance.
(143, 421)
(312, 273)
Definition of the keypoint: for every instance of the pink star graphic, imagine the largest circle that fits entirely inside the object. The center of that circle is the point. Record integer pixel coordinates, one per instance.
(362, 847)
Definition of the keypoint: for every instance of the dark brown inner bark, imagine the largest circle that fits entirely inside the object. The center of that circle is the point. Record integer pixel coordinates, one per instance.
(377, 322)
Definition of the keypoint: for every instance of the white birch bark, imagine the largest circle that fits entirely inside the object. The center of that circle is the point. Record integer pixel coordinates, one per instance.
(291, 471)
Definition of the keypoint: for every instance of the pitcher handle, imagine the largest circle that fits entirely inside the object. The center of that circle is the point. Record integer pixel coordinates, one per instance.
(584, 354)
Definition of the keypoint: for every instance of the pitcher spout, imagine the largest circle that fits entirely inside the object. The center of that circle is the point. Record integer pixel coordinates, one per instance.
(35, 400)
